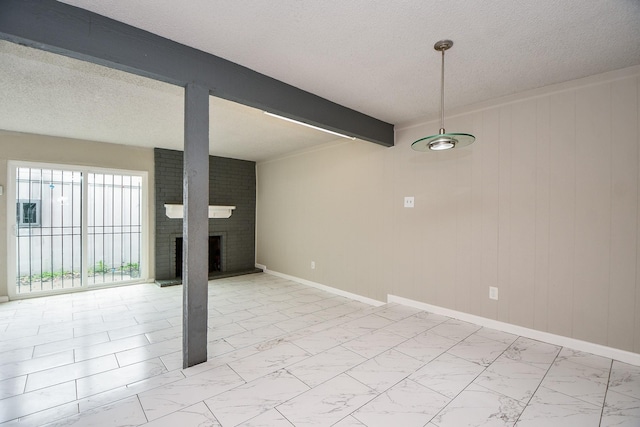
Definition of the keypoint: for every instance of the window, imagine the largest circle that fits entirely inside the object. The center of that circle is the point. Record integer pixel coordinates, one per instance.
(28, 213)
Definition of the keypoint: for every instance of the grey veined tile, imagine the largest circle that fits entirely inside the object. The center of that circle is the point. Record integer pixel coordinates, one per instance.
(620, 410)
(195, 415)
(328, 403)
(255, 398)
(406, 404)
(625, 379)
(448, 375)
(514, 379)
(477, 406)
(552, 409)
(577, 380)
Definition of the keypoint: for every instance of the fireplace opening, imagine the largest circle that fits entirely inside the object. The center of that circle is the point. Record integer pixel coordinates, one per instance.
(215, 263)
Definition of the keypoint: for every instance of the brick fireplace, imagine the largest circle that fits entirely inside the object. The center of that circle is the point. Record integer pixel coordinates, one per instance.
(231, 183)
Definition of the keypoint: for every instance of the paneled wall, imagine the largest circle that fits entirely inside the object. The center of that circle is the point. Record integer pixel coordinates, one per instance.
(544, 206)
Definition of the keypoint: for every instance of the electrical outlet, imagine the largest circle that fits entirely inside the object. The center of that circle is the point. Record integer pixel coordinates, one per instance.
(313, 265)
(493, 293)
(409, 202)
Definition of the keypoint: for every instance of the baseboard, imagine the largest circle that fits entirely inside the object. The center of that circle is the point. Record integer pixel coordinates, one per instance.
(326, 288)
(600, 350)
(4, 299)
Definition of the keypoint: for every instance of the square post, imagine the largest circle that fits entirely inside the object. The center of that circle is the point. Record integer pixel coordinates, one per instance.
(195, 225)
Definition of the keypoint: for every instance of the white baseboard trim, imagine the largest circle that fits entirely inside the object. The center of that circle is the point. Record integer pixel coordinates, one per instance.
(600, 350)
(260, 266)
(4, 299)
(336, 291)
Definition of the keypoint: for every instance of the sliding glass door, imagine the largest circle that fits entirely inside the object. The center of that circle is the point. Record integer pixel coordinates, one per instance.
(75, 228)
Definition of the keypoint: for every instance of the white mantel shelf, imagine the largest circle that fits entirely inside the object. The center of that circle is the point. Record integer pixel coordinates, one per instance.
(177, 211)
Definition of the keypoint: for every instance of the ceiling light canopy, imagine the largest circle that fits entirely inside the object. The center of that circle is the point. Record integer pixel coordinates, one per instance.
(443, 140)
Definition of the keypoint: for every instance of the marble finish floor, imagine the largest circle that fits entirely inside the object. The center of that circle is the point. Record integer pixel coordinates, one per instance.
(284, 354)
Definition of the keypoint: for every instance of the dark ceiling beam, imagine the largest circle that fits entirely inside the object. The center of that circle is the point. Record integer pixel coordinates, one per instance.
(78, 33)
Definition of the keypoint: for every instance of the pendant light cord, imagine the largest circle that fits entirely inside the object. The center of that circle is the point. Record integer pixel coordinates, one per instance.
(442, 96)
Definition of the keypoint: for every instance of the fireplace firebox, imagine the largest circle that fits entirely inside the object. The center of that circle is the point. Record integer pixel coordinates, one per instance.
(215, 259)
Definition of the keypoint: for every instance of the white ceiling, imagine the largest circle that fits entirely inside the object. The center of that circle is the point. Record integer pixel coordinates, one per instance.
(376, 57)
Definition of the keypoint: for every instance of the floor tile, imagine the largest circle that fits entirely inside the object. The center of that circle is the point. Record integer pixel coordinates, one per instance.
(31, 341)
(189, 391)
(397, 312)
(324, 340)
(116, 334)
(70, 372)
(255, 398)
(328, 403)
(385, 370)
(374, 343)
(620, 410)
(37, 364)
(576, 380)
(551, 409)
(122, 392)
(326, 365)
(146, 352)
(70, 344)
(514, 379)
(533, 352)
(582, 358)
(300, 322)
(17, 355)
(426, 346)
(625, 379)
(360, 360)
(406, 404)
(349, 422)
(478, 349)
(271, 418)
(254, 336)
(268, 361)
(127, 412)
(195, 415)
(476, 406)
(447, 374)
(39, 400)
(12, 386)
(115, 378)
(46, 416)
(454, 329)
(413, 325)
(367, 324)
(110, 347)
(496, 335)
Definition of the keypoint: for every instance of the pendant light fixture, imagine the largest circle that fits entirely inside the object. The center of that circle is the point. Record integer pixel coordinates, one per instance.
(443, 140)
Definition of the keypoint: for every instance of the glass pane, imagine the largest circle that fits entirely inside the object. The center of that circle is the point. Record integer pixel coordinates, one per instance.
(48, 232)
(114, 227)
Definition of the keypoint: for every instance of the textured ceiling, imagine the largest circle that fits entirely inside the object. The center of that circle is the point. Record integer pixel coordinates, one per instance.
(376, 57)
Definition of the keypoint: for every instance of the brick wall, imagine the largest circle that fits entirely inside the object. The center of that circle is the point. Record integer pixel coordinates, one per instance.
(231, 183)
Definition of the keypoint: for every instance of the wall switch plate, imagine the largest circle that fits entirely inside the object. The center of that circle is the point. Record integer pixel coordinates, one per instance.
(1, 190)
(313, 265)
(493, 293)
(409, 202)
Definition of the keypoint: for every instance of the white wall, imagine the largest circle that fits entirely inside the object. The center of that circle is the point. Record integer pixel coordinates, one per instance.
(544, 206)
